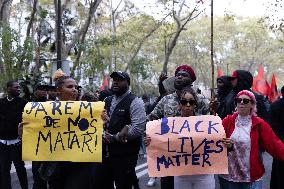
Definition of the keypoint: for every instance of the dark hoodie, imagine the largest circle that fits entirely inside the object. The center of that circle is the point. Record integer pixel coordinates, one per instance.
(245, 80)
(222, 93)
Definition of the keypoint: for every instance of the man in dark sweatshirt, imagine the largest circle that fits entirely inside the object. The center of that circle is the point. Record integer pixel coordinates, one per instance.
(242, 80)
(11, 108)
(224, 87)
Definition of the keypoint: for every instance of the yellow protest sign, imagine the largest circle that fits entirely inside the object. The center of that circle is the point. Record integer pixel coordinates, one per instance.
(186, 146)
(63, 131)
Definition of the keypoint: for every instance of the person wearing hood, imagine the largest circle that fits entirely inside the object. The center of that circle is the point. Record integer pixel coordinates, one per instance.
(224, 87)
(243, 80)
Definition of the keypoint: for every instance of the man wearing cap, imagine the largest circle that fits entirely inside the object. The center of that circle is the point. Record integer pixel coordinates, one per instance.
(125, 120)
(242, 80)
(168, 106)
(40, 95)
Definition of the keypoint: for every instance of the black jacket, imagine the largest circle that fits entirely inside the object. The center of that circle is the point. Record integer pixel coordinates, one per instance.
(221, 96)
(277, 118)
(245, 80)
(10, 117)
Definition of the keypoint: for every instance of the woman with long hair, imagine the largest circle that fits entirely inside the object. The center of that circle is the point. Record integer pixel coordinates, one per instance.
(187, 106)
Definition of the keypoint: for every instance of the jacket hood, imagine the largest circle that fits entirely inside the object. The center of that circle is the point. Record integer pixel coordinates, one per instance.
(226, 88)
(245, 80)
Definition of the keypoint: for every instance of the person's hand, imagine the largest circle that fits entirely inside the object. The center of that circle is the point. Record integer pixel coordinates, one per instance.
(163, 77)
(147, 140)
(106, 137)
(122, 135)
(213, 106)
(105, 116)
(20, 128)
(228, 142)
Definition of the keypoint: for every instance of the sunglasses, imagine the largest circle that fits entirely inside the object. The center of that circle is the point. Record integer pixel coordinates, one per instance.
(244, 100)
(185, 102)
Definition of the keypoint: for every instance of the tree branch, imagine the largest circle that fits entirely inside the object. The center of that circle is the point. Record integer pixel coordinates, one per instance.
(143, 40)
(2, 9)
(93, 7)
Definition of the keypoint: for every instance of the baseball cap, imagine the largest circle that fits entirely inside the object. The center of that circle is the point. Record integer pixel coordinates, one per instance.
(233, 76)
(41, 86)
(122, 75)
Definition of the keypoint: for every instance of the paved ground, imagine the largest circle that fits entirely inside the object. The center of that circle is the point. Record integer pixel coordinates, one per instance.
(141, 171)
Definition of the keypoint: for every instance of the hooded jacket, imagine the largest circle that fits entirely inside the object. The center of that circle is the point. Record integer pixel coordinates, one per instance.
(245, 80)
(222, 93)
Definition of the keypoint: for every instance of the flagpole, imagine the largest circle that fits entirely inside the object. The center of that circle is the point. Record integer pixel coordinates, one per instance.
(212, 51)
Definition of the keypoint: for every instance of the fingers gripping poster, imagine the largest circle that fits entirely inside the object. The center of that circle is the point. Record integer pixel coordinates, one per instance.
(186, 146)
(63, 131)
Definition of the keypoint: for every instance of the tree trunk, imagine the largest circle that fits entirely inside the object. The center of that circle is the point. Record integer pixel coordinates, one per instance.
(180, 25)
(6, 39)
(80, 35)
(83, 31)
(28, 34)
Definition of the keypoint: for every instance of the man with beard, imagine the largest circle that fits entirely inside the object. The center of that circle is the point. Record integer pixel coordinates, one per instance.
(11, 108)
(125, 120)
(168, 106)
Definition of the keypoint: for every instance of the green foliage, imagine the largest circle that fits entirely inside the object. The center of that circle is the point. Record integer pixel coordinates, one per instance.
(10, 54)
(139, 67)
(42, 13)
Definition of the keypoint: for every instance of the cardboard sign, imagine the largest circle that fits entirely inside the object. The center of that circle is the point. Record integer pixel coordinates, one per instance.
(63, 131)
(186, 146)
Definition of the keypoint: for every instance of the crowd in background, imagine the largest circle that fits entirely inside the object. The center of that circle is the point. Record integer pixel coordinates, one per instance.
(252, 125)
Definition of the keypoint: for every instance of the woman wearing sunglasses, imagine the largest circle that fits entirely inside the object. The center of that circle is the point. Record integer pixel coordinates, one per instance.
(187, 106)
(246, 135)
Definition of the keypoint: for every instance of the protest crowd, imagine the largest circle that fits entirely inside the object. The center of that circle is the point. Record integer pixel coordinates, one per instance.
(250, 123)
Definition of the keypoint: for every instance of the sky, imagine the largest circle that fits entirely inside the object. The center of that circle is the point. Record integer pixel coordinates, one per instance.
(250, 8)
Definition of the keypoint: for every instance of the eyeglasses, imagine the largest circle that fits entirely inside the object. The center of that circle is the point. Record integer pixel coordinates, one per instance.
(190, 102)
(244, 100)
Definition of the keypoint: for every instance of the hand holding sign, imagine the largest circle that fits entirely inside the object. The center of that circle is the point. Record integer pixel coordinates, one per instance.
(186, 146)
(228, 142)
(63, 131)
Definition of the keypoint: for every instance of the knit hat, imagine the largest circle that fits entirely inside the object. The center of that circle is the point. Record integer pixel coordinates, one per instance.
(188, 69)
(252, 97)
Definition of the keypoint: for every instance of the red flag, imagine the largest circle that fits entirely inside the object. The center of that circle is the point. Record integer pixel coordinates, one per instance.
(105, 83)
(273, 89)
(260, 74)
(219, 72)
(259, 84)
